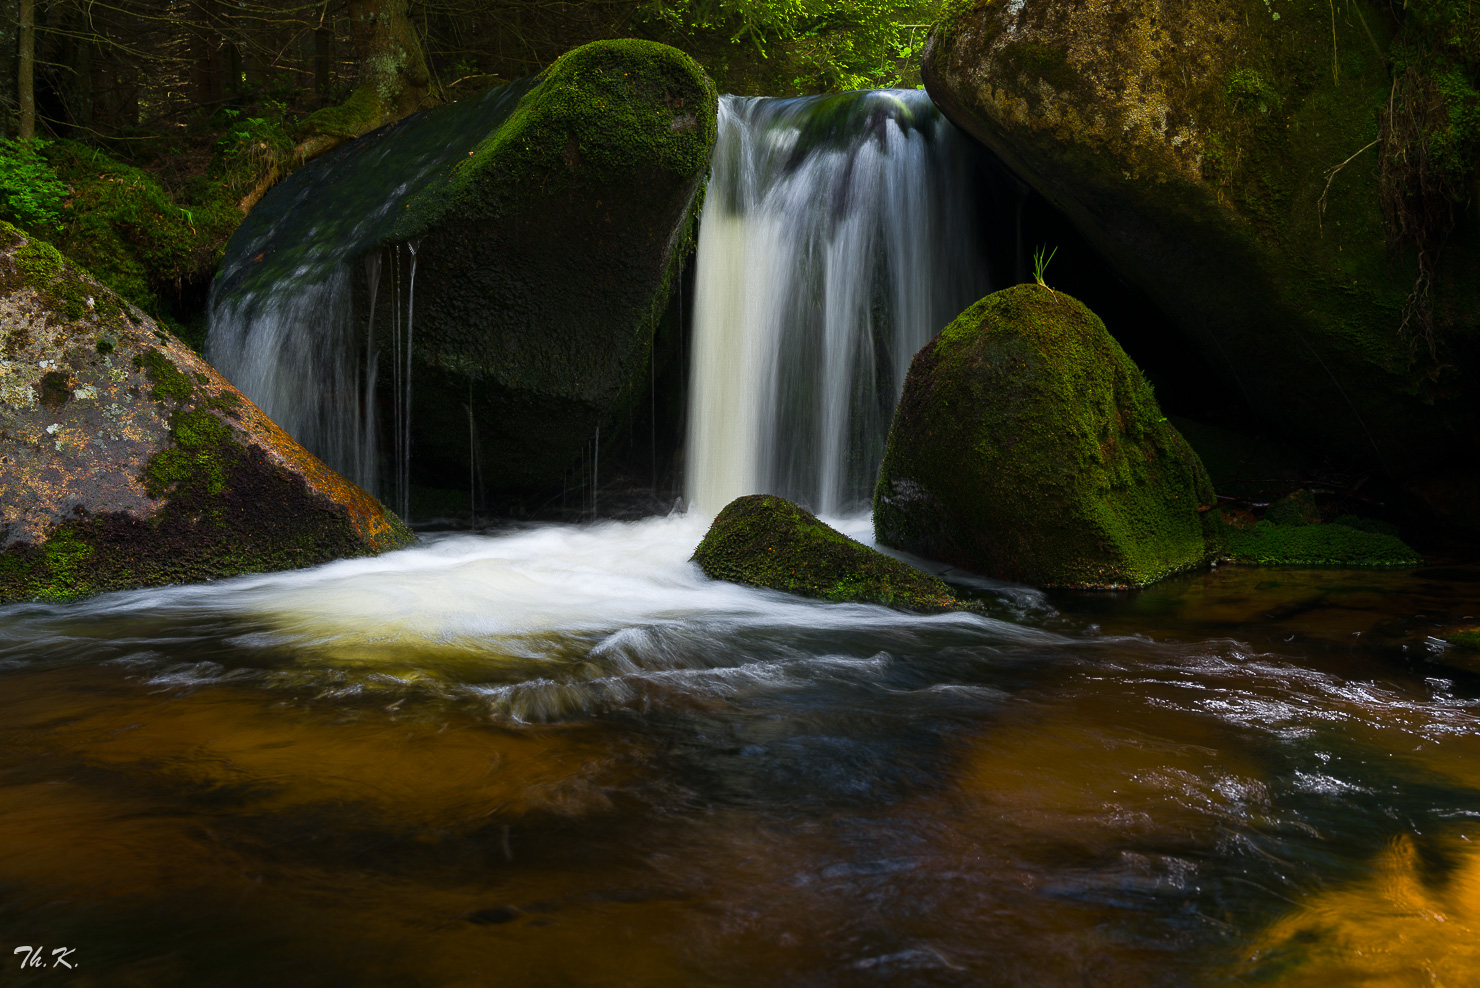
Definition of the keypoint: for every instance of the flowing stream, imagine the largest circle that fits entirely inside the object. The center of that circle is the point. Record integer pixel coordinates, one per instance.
(559, 755)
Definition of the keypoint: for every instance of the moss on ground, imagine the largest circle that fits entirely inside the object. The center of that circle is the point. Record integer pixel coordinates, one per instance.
(1027, 445)
(1344, 542)
(767, 541)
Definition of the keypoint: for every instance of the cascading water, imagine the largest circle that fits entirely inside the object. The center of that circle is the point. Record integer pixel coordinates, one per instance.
(839, 234)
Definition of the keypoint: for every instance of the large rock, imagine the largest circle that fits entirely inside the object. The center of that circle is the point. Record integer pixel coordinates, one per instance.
(1028, 446)
(767, 541)
(549, 221)
(1195, 145)
(129, 462)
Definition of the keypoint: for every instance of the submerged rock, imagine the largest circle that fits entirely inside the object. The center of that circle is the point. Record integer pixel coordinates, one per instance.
(128, 461)
(768, 541)
(1028, 446)
(1223, 157)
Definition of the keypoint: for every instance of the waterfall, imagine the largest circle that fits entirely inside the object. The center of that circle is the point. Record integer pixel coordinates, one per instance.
(839, 234)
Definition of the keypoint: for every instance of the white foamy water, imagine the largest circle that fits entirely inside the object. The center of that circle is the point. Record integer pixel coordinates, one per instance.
(515, 593)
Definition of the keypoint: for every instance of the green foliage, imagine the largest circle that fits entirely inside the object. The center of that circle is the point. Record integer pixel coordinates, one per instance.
(805, 45)
(1040, 263)
(251, 149)
(123, 226)
(31, 194)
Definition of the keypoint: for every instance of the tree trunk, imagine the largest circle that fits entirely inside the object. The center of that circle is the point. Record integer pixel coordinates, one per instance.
(26, 72)
(323, 59)
(9, 71)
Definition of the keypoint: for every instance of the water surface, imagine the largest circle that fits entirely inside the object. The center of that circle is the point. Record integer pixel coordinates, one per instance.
(559, 755)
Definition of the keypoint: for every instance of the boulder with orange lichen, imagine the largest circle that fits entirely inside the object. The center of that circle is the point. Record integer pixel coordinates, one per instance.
(128, 461)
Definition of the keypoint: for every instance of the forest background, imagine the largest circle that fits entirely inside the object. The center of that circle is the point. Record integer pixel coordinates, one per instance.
(135, 134)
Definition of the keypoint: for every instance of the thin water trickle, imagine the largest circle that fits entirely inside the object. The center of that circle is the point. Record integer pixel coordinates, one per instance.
(839, 234)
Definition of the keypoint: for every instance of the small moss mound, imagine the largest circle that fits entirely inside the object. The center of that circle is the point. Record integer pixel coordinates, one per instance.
(1296, 508)
(1348, 541)
(767, 541)
(1469, 638)
(1028, 446)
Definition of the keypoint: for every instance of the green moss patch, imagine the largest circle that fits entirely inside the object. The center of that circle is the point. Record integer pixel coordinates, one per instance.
(1028, 446)
(768, 541)
(1334, 544)
(169, 383)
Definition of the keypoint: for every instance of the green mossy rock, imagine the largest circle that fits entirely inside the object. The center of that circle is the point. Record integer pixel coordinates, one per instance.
(1028, 446)
(1197, 147)
(129, 462)
(767, 541)
(1344, 542)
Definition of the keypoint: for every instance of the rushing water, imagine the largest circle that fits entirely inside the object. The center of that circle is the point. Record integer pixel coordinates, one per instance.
(840, 233)
(559, 755)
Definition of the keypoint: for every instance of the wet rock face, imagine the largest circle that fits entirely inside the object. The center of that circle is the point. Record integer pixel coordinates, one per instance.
(767, 541)
(1197, 147)
(546, 263)
(128, 461)
(1028, 446)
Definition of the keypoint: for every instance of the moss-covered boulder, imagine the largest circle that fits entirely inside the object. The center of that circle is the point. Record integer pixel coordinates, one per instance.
(129, 462)
(767, 541)
(1224, 155)
(1028, 446)
(549, 220)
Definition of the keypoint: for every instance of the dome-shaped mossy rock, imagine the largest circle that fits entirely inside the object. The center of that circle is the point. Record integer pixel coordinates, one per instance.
(768, 541)
(128, 461)
(1028, 446)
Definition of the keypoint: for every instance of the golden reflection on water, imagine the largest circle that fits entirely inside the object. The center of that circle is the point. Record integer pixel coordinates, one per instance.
(1399, 926)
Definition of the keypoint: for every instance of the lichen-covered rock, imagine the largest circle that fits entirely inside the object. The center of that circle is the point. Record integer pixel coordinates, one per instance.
(549, 219)
(128, 461)
(1028, 446)
(768, 541)
(1223, 155)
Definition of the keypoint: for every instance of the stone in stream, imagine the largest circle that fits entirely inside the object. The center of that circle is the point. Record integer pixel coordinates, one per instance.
(128, 461)
(767, 541)
(1028, 446)
(1224, 157)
